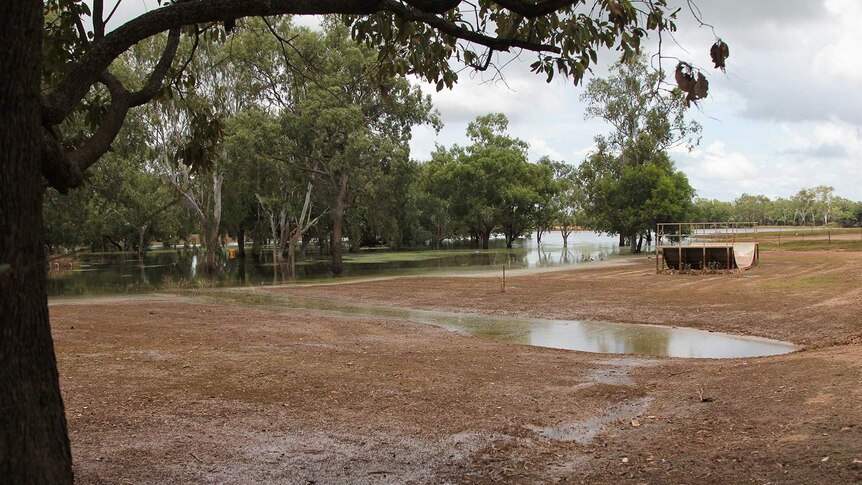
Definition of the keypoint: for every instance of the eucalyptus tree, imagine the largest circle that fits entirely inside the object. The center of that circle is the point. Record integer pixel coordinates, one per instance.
(646, 122)
(437, 189)
(632, 202)
(751, 208)
(804, 203)
(352, 124)
(188, 133)
(124, 206)
(567, 200)
(490, 184)
(712, 210)
(40, 92)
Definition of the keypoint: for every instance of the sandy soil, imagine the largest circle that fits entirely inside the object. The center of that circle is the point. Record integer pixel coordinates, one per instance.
(173, 390)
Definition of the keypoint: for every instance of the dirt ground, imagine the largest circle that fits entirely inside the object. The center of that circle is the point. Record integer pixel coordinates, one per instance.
(171, 389)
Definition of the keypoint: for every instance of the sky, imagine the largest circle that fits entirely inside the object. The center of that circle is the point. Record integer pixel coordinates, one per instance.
(786, 115)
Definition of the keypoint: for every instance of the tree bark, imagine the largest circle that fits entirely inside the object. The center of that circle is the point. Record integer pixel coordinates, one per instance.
(142, 231)
(486, 238)
(240, 242)
(338, 224)
(510, 238)
(303, 247)
(34, 443)
(210, 214)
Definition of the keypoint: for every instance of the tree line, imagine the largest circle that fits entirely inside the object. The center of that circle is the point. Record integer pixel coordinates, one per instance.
(300, 146)
(816, 206)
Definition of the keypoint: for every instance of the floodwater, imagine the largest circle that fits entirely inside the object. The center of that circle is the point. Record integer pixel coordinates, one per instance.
(587, 336)
(118, 273)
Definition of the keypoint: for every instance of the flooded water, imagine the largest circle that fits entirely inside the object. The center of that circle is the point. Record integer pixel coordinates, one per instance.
(587, 336)
(112, 273)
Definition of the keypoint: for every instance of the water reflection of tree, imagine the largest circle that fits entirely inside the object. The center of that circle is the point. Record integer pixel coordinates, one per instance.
(633, 340)
(544, 256)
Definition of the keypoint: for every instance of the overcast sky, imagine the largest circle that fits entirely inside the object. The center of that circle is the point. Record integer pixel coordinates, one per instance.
(786, 115)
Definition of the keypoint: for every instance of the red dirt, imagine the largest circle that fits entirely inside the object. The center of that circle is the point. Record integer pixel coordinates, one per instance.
(171, 390)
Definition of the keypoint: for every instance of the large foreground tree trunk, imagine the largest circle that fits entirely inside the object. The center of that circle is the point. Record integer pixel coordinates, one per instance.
(34, 444)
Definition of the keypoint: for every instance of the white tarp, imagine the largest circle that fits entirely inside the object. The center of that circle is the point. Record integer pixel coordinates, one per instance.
(743, 254)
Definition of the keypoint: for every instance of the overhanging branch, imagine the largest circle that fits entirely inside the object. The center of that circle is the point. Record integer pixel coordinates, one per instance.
(72, 89)
(447, 27)
(64, 170)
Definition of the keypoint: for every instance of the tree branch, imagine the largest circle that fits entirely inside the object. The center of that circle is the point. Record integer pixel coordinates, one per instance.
(64, 171)
(98, 20)
(72, 89)
(455, 30)
(69, 92)
(533, 10)
(157, 77)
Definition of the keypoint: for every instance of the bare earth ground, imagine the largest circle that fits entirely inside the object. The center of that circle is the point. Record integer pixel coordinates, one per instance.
(172, 390)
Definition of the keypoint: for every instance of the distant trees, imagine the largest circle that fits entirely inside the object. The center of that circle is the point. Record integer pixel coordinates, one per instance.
(811, 206)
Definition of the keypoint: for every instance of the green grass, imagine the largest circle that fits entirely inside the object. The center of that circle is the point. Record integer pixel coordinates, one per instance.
(402, 256)
(818, 245)
(804, 283)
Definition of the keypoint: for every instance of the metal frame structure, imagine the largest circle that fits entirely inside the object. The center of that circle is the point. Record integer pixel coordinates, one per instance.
(705, 235)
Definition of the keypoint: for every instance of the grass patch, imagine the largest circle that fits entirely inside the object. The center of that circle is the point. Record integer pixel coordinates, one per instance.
(805, 283)
(405, 256)
(820, 245)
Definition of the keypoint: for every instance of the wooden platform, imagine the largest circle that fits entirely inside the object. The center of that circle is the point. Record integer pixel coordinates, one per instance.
(740, 255)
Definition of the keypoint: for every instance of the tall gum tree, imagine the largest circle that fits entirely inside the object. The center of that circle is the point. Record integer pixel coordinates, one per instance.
(412, 36)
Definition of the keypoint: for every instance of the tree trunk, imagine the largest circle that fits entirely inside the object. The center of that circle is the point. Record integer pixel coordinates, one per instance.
(141, 233)
(303, 246)
(622, 240)
(337, 225)
(210, 242)
(565, 233)
(441, 231)
(255, 247)
(34, 443)
(291, 252)
(209, 213)
(633, 243)
(240, 242)
(486, 238)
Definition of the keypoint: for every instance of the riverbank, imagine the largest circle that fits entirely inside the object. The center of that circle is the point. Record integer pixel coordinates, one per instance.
(167, 389)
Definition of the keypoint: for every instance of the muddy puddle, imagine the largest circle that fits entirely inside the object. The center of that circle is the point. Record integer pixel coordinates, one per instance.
(587, 336)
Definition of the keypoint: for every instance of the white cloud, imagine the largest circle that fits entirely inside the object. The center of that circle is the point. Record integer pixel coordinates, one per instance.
(539, 148)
